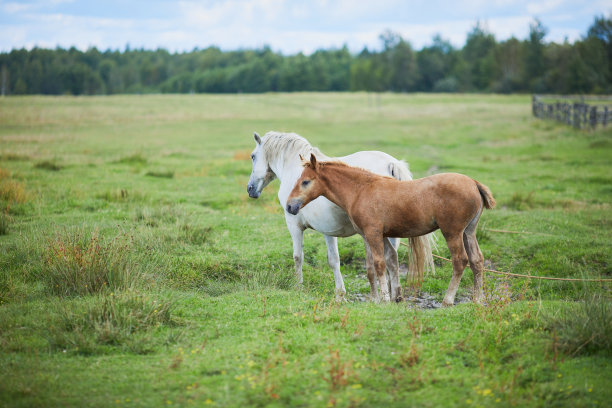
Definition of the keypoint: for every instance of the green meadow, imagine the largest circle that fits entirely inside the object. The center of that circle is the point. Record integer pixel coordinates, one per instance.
(135, 271)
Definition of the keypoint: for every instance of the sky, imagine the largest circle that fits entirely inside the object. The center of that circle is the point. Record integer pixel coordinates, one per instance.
(286, 26)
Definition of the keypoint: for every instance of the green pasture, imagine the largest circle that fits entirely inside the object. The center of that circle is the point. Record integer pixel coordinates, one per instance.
(136, 271)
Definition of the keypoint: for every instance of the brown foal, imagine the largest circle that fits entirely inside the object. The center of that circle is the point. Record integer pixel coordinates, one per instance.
(381, 207)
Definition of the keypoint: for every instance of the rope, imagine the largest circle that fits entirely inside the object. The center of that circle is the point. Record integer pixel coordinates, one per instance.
(518, 232)
(518, 275)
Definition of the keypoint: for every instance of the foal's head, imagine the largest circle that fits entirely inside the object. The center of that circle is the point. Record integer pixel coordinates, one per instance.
(307, 188)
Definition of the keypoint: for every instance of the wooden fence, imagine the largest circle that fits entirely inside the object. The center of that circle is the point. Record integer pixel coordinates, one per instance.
(581, 112)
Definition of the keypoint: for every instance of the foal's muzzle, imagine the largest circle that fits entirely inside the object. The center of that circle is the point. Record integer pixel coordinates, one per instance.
(293, 206)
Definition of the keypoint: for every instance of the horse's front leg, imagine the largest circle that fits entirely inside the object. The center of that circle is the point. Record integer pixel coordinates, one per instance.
(377, 249)
(371, 272)
(392, 263)
(297, 236)
(333, 259)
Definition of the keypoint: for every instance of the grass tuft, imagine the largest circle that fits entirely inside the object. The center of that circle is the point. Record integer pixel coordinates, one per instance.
(11, 191)
(194, 234)
(48, 165)
(119, 195)
(160, 173)
(13, 157)
(582, 328)
(5, 221)
(112, 320)
(133, 159)
(521, 201)
(78, 263)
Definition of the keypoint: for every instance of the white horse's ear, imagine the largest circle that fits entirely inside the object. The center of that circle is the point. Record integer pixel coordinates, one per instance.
(257, 138)
(301, 158)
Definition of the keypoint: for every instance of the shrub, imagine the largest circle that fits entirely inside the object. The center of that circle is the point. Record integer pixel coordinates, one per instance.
(78, 264)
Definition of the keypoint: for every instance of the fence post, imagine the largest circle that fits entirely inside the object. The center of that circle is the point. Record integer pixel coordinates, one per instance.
(593, 117)
(576, 115)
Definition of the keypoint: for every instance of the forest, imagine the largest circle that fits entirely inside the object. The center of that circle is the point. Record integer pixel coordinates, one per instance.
(482, 65)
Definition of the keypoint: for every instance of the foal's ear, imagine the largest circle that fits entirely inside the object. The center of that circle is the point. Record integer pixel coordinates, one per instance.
(257, 138)
(313, 161)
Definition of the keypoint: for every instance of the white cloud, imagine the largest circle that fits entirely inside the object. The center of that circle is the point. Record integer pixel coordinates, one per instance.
(287, 25)
(14, 8)
(545, 6)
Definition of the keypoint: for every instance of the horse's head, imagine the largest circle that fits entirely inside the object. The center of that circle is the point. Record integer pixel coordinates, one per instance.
(261, 175)
(307, 187)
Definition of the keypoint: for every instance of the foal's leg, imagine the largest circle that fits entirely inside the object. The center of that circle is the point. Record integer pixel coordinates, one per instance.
(460, 260)
(297, 235)
(392, 263)
(371, 272)
(377, 248)
(333, 259)
(475, 257)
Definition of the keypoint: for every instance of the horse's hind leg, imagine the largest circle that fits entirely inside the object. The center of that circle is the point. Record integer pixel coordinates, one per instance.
(475, 257)
(333, 259)
(392, 264)
(460, 261)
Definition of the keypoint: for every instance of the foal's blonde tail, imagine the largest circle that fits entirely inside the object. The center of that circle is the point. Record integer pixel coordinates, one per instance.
(420, 259)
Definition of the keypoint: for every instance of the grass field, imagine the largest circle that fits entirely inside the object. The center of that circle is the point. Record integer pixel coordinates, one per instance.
(135, 270)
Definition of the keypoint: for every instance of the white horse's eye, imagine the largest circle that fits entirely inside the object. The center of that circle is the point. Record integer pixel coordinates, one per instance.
(252, 157)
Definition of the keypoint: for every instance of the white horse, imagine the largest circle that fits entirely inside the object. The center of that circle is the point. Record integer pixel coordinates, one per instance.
(276, 155)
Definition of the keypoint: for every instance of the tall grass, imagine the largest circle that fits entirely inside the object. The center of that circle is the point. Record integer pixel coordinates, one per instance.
(115, 319)
(584, 327)
(81, 263)
(11, 191)
(5, 221)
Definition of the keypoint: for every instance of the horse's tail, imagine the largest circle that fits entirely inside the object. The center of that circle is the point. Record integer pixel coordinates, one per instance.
(398, 169)
(486, 195)
(420, 259)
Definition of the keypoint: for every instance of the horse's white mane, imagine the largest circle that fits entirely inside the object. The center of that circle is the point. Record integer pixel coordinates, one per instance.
(288, 147)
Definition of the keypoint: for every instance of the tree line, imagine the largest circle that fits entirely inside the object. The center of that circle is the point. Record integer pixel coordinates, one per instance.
(482, 65)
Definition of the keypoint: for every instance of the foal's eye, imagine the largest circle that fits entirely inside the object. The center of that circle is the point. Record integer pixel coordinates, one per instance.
(305, 183)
